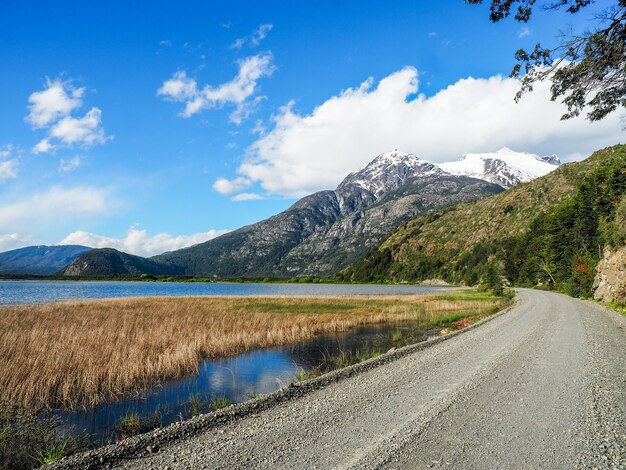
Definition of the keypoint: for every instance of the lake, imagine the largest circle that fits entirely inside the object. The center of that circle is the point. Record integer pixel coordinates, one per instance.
(28, 292)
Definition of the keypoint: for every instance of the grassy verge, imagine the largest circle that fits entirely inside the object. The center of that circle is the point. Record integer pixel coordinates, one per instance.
(80, 354)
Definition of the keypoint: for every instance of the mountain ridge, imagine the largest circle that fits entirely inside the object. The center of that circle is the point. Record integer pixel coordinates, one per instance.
(39, 260)
(324, 231)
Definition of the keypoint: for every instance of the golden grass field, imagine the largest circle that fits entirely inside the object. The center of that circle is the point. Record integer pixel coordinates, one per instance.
(81, 353)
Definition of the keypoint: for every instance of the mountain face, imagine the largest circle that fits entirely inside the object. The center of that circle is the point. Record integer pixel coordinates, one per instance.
(107, 261)
(548, 232)
(504, 167)
(39, 260)
(327, 230)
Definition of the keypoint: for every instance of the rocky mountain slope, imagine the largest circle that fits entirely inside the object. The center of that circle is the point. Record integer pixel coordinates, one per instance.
(550, 231)
(39, 260)
(327, 230)
(504, 167)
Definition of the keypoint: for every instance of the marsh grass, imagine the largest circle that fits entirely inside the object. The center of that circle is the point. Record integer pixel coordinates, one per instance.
(217, 403)
(28, 442)
(83, 353)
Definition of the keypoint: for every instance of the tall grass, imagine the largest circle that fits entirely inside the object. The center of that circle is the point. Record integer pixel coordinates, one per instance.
(82, 353)
(29, 442)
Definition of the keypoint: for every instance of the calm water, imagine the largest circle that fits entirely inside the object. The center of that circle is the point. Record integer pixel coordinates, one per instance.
(238, 379)
(26, 292)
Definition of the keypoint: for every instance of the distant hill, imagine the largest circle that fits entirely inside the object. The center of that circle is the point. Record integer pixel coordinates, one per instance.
(320, 233)
(107, 261)
(550, 231)
(39, 260)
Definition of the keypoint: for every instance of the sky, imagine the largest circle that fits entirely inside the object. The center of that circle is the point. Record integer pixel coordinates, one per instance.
(152, 126)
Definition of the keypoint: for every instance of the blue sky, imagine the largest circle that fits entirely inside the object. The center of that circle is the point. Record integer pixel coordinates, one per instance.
(164, 125)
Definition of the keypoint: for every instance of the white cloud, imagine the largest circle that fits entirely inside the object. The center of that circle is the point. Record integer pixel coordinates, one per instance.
(308, 152)
(57, 100)
(138, 242)
(247, 197)
(432, 35)
(255, 38)
(179, 87)
(6, 151)
(12, 241)
(86, 131)
(43, 146)
(238, 43)
(52, 108)
(224, 186)
(235, 92)
(524, 32)
(54, 204)
(65, 166)
(260, 33)
(9, 168)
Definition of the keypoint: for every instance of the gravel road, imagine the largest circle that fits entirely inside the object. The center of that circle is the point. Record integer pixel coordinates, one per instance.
(542, 386)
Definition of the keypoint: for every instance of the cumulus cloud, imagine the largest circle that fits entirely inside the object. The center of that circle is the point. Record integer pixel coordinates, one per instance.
(224, 186)
(255, 38)
(65, 166)
(57, 100)
(237, 92)
(9, 167)
(303, 153)
(139, 242)
(54, 204)
(51, 108)
(86, 131)
(12, 241)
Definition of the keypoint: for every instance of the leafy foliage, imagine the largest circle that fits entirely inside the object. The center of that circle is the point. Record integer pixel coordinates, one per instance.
(586, 70)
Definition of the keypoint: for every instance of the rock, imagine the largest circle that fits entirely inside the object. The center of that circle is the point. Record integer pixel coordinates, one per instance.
(609, 284)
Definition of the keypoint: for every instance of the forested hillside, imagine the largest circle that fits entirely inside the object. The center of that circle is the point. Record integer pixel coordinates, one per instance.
(549, 232)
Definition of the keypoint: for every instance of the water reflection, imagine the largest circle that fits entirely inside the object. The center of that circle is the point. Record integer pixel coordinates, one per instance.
(237, 378)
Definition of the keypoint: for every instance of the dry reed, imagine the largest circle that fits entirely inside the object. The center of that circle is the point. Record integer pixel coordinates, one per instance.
(82, 353)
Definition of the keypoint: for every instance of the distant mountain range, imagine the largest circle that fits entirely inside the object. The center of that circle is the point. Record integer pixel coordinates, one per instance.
(39, 260)
(328, 230)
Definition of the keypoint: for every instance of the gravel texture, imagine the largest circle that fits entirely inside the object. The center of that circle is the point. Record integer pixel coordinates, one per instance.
(541, 386)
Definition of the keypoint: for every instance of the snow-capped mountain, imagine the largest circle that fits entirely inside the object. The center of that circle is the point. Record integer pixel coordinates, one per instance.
(504, 167)
(388, 171)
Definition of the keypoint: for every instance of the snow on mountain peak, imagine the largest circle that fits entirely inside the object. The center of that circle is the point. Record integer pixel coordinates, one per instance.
(505, 167)
(389, 171)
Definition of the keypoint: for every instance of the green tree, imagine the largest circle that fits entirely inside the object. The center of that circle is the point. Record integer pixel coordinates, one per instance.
(587, 70)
